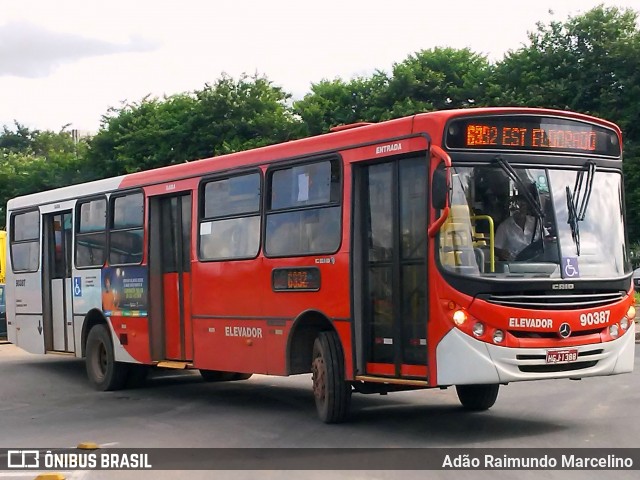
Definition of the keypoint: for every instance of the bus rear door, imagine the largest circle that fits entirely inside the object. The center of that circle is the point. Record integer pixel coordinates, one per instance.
(170, 268)
(57, 291)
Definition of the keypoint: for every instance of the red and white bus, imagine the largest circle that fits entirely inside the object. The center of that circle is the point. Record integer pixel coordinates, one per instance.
(371, 257)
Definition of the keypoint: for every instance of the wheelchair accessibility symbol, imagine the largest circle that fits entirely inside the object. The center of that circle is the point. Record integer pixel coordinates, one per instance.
(77, 286)
(570, 267)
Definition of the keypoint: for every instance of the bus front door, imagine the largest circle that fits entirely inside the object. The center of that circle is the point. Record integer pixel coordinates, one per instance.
(57, 291)
(170, 267)
(393, 220)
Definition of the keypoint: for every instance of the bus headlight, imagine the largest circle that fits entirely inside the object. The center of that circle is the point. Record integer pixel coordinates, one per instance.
(631, 312)
(459, 317)
(478, 329)
(624, 323)
(614, 331)
(498, 336)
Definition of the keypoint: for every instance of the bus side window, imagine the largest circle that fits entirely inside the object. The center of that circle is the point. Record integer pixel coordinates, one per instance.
(126, 233)
(303, 216)
(25, 243)
(91, 235)
(230, 225)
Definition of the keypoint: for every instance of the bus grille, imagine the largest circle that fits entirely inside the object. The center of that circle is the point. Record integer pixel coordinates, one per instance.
(554, 335)
(558, 367)
(553, 300)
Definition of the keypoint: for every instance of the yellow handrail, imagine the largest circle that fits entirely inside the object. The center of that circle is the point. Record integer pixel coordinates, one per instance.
(492, 257)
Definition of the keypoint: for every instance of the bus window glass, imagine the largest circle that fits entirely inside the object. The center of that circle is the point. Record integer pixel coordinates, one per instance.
(230, 238)
(506, 227)
(413, 215)
(25, 256)
(125, 247)
(311, 184)
(128, 211)
(303, 232)
(380, 232)
(232, 196)
(91, 235)
(232, 208)
(25, 243)
(600, 245)
(26, 226)
(93, 216)
(126, 235)
(310, 222)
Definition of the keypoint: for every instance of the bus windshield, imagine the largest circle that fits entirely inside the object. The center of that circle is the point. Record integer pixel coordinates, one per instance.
(510, 221)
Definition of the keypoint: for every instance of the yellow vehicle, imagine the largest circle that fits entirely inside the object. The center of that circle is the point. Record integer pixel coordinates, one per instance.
(3, 256)
(3, 271)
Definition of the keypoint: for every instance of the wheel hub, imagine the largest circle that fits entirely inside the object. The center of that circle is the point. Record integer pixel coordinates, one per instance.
(319, 381)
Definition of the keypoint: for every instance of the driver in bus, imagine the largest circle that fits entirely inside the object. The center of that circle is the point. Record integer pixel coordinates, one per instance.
(516, 232)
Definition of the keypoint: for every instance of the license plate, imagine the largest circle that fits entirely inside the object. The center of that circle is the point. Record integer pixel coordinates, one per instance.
(562, 356)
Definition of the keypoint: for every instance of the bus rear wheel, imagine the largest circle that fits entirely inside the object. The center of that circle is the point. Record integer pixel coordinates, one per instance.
(332, 393)
(477, 397)
(103, 371)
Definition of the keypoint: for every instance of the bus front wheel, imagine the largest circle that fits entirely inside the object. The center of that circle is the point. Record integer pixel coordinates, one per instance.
(332, 393)
(477, 397)
(102, 369)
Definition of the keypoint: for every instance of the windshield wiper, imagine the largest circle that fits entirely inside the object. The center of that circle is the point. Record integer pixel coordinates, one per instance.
(576, 215)
(573, 219)
(577, 189)
(522, 187)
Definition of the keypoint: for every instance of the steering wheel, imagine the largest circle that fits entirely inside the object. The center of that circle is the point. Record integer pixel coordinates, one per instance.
(530, 251)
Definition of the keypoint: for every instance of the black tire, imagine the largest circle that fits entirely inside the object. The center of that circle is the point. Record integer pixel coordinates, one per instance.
(241, 376)
(332, 393)
(103, 371)
(477, 397)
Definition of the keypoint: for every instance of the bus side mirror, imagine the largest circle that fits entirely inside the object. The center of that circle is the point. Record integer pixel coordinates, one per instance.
(440, 188)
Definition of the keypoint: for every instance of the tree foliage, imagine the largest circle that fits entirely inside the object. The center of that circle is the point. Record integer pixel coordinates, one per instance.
(225, 117)
(434, 79)
(32, 161)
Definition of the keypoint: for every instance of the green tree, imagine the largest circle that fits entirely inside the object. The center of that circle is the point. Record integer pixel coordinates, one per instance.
(33, 161)
(16, 141)
(337, 102)
(225, 117)
(434, 79)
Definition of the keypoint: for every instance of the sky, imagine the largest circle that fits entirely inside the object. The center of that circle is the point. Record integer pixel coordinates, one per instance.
(64, 63)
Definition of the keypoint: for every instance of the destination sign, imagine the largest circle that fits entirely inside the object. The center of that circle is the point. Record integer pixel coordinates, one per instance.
(534, 133)
(296, 279)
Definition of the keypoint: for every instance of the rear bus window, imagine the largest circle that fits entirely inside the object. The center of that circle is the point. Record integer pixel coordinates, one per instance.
(230, 225)
(25, 241)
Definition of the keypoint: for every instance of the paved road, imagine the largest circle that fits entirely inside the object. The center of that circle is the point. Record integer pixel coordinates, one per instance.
(46, 402)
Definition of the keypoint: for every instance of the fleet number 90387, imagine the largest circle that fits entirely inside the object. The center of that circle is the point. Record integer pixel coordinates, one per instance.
(595, 318)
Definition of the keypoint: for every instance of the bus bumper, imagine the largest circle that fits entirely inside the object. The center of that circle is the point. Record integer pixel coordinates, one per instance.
(463, 360)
